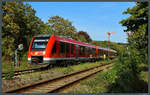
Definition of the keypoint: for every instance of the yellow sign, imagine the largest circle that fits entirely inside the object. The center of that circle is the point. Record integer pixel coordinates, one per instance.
(104, 56)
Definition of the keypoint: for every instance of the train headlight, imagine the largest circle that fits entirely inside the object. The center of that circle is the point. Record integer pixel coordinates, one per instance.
(43, 52)
(36, 53)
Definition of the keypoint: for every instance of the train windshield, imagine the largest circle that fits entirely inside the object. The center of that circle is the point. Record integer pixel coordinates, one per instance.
(40, 43)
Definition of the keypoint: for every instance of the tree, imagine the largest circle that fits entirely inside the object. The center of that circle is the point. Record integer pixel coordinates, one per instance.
(62, 27)
(19, 25)
(83, 36)
(128, 73)
(137, 23)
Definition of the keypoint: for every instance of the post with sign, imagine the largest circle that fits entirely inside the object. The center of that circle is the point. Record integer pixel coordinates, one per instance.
(20, 47)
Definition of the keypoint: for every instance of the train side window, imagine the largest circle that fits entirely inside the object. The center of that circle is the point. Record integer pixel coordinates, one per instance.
(83, 50)
(87, 50)
(72, 48)
(90, 50)
(54, 48)
(102, 52)
(67, 48)
(62, 47)
(94, 50)
(80, 52)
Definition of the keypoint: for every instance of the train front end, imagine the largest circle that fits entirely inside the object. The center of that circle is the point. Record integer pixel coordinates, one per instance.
(37, 53)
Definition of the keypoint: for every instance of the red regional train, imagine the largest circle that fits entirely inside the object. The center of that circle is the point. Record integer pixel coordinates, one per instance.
(50, 49)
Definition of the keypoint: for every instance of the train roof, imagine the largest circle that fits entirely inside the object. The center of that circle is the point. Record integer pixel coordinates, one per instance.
(74, 42)
(106, 49)
(46, 35)
(81, 43)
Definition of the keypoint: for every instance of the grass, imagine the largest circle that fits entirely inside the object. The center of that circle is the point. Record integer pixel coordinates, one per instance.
(67, 70)
(7, 66)
(103, 81)
(51, 73)
(99, 82)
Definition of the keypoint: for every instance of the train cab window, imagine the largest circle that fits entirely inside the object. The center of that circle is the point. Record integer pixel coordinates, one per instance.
(40, 43)
(54, 48)
(62, 47)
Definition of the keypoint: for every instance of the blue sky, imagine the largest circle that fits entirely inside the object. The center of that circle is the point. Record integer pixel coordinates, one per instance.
(96, 18)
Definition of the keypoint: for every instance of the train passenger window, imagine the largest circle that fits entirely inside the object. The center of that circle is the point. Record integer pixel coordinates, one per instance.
(54, 48)
(98, 51)
(83, 50)
(90, 50)
(62, 47)
(72, 48)
(67, 48)
(102, 52)
(80, 50)
(94, 50)
(87, 50)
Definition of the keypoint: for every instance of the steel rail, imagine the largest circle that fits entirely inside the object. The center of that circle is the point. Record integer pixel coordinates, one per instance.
(34, 86)
(19, 72)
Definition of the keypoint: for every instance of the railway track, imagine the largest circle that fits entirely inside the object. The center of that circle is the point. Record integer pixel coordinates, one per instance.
(53, 85)
(19, 72)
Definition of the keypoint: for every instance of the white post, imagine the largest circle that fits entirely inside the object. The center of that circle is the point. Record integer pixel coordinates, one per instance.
(20, 47)
(16, 61)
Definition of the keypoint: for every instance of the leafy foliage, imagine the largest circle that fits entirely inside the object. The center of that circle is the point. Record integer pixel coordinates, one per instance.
(19, 25)
(128, 75)
(84, 37)
(137, 23)
(62, 27)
